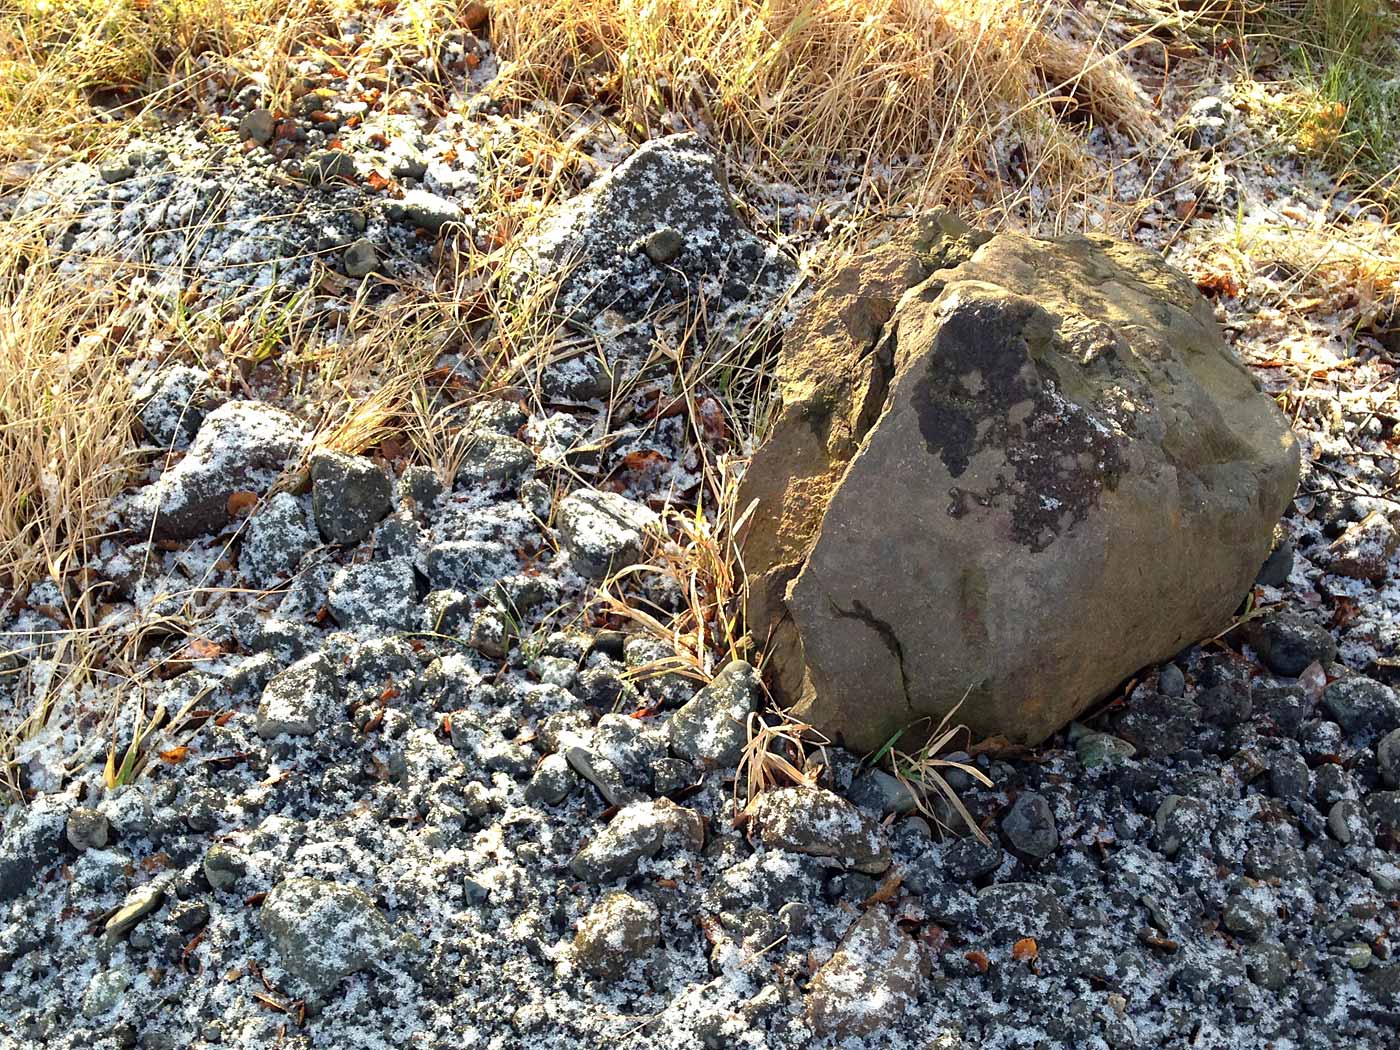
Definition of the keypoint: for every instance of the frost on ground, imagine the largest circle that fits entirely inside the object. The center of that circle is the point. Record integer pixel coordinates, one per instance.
(413, 788)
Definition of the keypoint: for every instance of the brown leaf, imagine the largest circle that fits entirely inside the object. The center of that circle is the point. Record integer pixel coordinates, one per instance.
(1025, 950)
(887, 890)
(241, 503)
(175, 755)
(204, 649)
(979, 960)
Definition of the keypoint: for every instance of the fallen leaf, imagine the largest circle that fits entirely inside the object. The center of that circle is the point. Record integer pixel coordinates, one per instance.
(1025, 950)
(175, 755)
(240, 503)
(979, 960)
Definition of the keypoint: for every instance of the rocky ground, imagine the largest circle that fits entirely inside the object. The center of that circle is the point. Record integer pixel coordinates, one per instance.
(412, 785)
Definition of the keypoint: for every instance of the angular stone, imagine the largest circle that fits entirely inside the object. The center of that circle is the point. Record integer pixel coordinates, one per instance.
(174, 404)
(258, 125)
(241, 446)
(299, 700)
(713, 725)
(640, 830)
(139, 903)
(962, 490)
(1364, 551)
(349, 494)
(323, 932)
(616, 930)
(376, 594)
(871, 983)
(603, 532)
(819, 823)
(276, 539)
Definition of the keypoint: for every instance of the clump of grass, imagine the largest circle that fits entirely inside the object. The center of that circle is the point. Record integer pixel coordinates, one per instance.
(776, 756)
(801, 82)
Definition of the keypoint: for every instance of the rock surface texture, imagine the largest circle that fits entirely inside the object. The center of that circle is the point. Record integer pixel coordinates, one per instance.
(1058, 439)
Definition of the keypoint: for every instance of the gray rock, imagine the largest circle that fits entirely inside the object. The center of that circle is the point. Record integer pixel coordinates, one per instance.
(1362, 707)
(628, 744)
(277, 537)
(618, 929)
(139, 903)
(376, 594)
(969, 859)
(1012, 910)
(328, 166)
(870, 984)
(1289, 777)
(819, 823)
(419, 490)
(647, 234)
(398, 536)
(642, 829)
(876, 790)
(493, 632)
(299, 700)
(88, 828)
(1383, 982)
(114, 171)
(1268, 965)
(599, 772)
(104, 992)
(447, 612)
(467, 565)
(349, 495)
(603, 532)
(361, 258)
(242, 446)
(32, 841)
(1349, 823)
(323, 932)
(1181, 821)
(1206, 123)
(1288, 643)
(1277, 567)
(1244, 913)
(1029, 827)
(224, 866)
(1388, 758)
(492, 458)
(1364, 551)
(1171, 682)
(713, 725)
(258, 125)
(174, 404)
(426, 210)
(1019, 512)
(1102, 750)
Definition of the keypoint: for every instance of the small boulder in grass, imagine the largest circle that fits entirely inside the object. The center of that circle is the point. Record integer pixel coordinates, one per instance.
(1364, 551)
(603, 531)
(871, 983)
(349, 496)
(616, 930)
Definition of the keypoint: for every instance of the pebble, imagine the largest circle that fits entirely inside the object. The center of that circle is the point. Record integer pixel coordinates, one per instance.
(324, 931)
(1029, 827)
(1289, 643)
(875, 963)
(603, 532)
(258, 125)
(1170, 681)
(87, 828)
(298, 700)
(361, 258)
(223, 866)
(712, 727)
(349, 496)
(138, 904)
(618, 930)
(639, 830)
(818, 823)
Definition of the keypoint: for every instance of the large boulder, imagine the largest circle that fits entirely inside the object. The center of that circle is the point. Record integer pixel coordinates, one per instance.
(1006, 472)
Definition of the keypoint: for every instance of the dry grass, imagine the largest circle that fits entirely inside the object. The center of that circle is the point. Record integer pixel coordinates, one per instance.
(801, 82)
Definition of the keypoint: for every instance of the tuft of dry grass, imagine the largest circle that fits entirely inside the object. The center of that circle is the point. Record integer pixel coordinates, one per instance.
(801, 82)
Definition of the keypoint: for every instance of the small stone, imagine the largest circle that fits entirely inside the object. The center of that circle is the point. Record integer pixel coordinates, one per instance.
(223, 866)
(599, 772)
(259, 125)
(419, 490)
(1181, 820)
(1102, 750)
(324, 931)
(88, 828)
(641, 829)
(1289, 777)
(1348, 822)
(552, 781)
(878, 791)
(189, 916)
(818, 823)
(298, 700)
(870, 984)
(115, 171)
(467, 565)
(616, 930)
(1268, 966)
(376, 594)
(1029, 827)
(426, 210)
(603, 532)
(447, 612)
(664, 246)
(1288, 644)
(1171, 682)
(104, 992)
(1359, 956)
(1206, 124)
(713, 725)
(139, 903)
(1364, 551)
(398, 536)
(327, 166)
(174, 403)
(970, 859)
(492, 632)
(1362, 706)
(361, 258)
(1277, 567)
(277, 537)
(349, 496)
